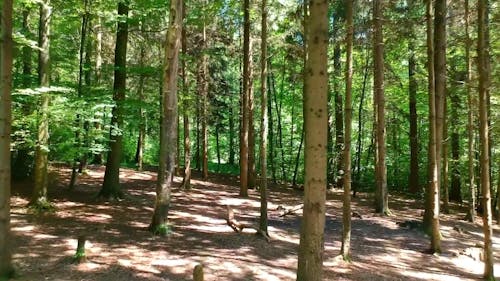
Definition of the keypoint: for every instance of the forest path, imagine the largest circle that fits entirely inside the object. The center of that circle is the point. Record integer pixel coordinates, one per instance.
(120, 247)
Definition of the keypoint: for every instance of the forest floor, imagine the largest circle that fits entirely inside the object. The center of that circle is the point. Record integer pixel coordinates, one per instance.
(119, 246)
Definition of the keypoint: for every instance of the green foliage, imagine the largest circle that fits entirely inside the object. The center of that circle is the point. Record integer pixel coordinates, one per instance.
(163, 229)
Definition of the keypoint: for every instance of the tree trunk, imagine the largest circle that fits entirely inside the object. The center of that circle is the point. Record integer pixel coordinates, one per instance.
(310, 260)
(251, 125)
(6, 269)
(139, 154)
(98, 158)
(231, 132)
(413, 180)
(39, 197)
(263, 120)
(186, 181)
(271, 128)
(484, 87)
(339, 116)
(111, 185)
(470, 120)
(345, 249)
(168, 137)
(445, 168)
(381, 195)
(297, 160)
(455, 193)
(244, 103)
(204, 104)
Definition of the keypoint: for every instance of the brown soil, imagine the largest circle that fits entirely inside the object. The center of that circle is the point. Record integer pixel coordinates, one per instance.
(119, 247)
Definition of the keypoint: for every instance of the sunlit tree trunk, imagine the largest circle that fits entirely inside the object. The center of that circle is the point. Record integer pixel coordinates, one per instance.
(204, 104)
(484, 87)
(251, 123)
(6, 43)
(186, 181)
(39, 197)
(310, 260)
(111, 185)
(263, 120)
(339, 114)
(244, 102)
(381, 195)
(345, 249)
(445, 164)
(168, 137)
(141, 138)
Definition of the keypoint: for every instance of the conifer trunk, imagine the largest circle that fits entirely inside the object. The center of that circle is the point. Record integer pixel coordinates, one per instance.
(244, 103)
(263, 120)
(186, 181)
(6, 43)
(310, 260)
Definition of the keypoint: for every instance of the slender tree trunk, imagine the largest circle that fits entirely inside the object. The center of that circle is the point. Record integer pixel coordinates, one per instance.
(271, 128)
(168, 137)
(6, 269)
(413, 180)
(345, 249)
(263, 120)
(251, 125)
(446, 165)
(484, 87)
(39, 197)
(279, 141)
(186, 181)
(381, 194)
(297, 160)
(310, 260)
(470, 120)
(98, 158)
(245, 102)
(231, 132)
(139, 154)
(204, 104)
(455, 187)
(111, 185)
(431, 215)
(339, 116)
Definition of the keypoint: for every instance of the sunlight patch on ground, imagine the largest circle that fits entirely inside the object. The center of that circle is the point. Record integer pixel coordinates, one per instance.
(428, 276)
(26, 228)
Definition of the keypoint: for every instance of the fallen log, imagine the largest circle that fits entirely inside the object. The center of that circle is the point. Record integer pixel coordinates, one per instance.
(239, 226)
(285, 212)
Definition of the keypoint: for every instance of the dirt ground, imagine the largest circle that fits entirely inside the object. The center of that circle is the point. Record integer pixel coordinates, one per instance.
(119, 246)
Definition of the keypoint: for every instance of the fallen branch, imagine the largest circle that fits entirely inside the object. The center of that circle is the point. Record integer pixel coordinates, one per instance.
(292, 210)
(239, 226)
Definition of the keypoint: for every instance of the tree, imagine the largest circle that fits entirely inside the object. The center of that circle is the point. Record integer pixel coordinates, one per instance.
(111, 185)
(6, 269)
(484, 87)
(186, 181)
(39, 197)
(168, 137)
(310, 260)
(345, 250)
(381, 195)
(263, 120)
(431, 215)
(244, 101)
(413, 181)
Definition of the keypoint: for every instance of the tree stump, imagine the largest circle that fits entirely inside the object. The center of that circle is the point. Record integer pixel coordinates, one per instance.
(80, 256)
(198, 273)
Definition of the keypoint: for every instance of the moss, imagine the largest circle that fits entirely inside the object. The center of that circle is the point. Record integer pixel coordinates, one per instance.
(163, 229)
(42, 205)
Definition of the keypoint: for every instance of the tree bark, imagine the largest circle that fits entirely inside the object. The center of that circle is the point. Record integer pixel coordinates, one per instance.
(204, 104)
(445, 164)
(244, 103)
(345, 249)
(310, 260)
(339, 115)
(141, 138)
(263, 120)
(470, 120)
(381, 194)
(186, 181)
(168, 137)
(484, 87)
(39, 197)
(251, 125)
(413, 180)
(6, 44)
(111, 185)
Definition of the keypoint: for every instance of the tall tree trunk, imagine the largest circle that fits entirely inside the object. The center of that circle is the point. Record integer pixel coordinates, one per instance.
(231, 132)
(345, 249)
(244, 103)
(381, 194)
(204, 104)
(455, 193)
(186, 181)
(98, 158)
(251, 125)
(168, 137)
(446, 165)
(78, 140)
(111, 185)
(279, 141)
(271, 127)
(413, 180)
(339, 115)
(141, 138)
(297, 159)
(484, 87)
(6, 269)
(310, 260)
(263, 120)
(470, 120)
(39, 197)
(431, 215)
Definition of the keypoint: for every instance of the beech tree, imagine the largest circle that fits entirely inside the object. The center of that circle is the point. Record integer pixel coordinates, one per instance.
(312, 226)
(39, 198)
(168, 137)
(111, 185)
(6, 268)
